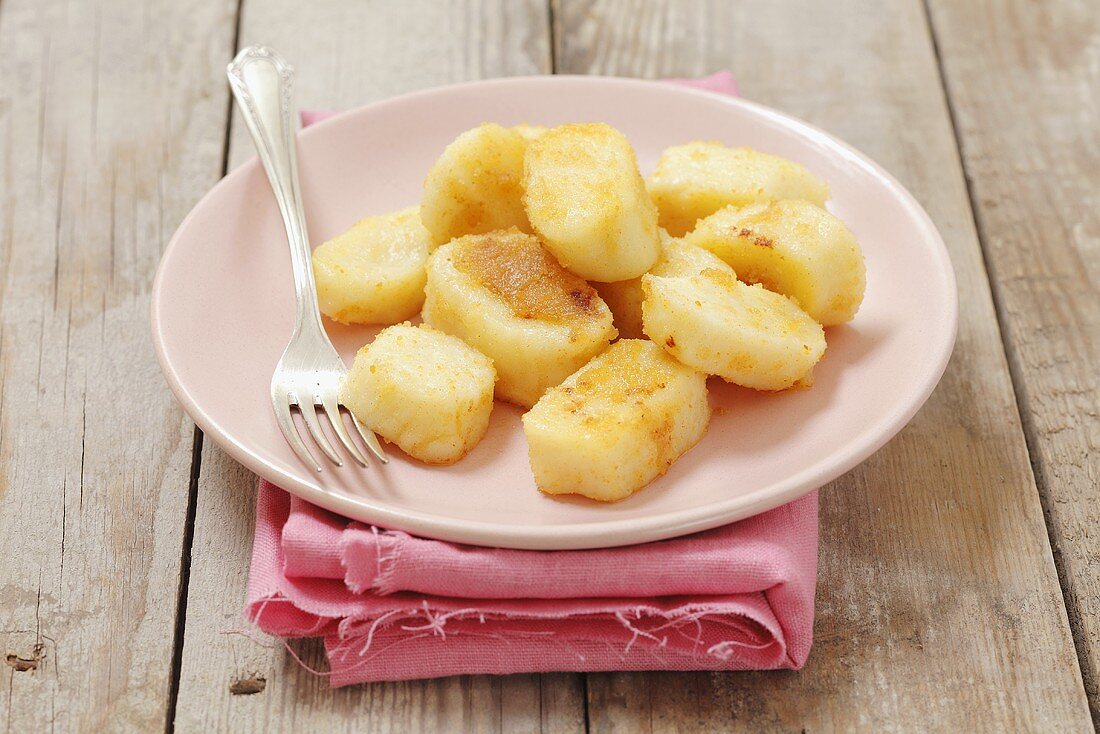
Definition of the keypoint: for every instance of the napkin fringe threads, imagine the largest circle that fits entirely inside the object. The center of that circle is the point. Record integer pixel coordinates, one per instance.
(356, 645)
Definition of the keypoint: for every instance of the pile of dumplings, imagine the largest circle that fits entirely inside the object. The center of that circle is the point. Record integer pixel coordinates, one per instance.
(548, 273)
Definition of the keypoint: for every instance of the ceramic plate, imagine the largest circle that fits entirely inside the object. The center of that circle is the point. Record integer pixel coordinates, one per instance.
(222, 308)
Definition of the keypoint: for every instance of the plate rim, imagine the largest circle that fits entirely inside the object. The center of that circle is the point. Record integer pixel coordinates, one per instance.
(614, 531)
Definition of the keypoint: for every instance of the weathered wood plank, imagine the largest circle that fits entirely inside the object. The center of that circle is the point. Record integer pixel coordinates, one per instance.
(1024, 93)
(349, 53)
(939, 607)
(111, 120)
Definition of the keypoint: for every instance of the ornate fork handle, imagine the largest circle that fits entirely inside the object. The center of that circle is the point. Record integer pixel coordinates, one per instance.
(263, 83)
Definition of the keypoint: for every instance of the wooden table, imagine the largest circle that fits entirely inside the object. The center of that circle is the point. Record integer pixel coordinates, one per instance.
(960, 566)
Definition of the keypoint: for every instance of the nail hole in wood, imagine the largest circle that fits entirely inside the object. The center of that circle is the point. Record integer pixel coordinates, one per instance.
(248, 686)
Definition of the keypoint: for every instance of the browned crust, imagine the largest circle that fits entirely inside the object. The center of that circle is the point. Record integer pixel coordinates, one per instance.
(517, 269)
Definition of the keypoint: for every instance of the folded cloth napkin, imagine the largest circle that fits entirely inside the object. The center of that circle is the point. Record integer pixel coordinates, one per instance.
(391, 606)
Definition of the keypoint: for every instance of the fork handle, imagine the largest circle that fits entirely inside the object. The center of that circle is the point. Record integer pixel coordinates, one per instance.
(262, 83)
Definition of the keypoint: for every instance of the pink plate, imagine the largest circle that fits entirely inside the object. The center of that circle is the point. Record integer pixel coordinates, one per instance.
(223, 304)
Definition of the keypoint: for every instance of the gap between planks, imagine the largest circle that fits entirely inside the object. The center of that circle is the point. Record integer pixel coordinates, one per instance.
(184, 582)
(553, 30)
(180, 629)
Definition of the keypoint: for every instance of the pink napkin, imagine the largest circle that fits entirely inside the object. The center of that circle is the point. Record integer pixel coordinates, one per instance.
(391, 606)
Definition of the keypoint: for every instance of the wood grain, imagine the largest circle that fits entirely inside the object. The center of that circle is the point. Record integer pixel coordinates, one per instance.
(939, 606)
(348, 53)
(1025, 95)
(108, 136)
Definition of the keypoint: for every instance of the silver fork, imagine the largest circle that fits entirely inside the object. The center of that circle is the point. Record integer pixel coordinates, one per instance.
(310, 371)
